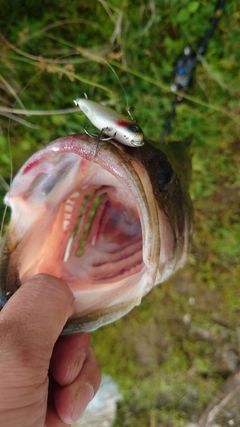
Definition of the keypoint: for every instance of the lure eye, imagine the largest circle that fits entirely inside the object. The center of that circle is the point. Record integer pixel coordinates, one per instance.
(135, 128)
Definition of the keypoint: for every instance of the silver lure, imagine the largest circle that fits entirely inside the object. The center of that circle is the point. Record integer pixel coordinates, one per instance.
(112, 123)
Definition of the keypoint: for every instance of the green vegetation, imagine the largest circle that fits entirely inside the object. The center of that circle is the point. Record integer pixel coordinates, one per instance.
(169, 354)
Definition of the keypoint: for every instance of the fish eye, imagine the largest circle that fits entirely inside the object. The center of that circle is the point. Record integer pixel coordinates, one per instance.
(135, 128)
(165, 174)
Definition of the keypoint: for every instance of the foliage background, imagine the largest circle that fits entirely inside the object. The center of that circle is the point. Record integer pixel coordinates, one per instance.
(169, 355)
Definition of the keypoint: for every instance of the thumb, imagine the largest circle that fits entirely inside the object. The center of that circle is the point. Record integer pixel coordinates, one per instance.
(33, 318)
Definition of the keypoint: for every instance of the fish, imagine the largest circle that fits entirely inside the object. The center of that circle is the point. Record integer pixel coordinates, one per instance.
(111, 123)
(112, 223)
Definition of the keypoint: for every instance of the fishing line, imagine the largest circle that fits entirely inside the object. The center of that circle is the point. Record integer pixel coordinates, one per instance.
(8, 136)
(119, 81)
(186, 65)
(11, 117)
(10, 152)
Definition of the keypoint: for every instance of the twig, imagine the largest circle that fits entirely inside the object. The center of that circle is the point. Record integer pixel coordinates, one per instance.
(57, 24)
(39, 112)
(11, 90)
(19, 120)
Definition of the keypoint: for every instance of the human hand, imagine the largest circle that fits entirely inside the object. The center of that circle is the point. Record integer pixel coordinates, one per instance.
(44, 380)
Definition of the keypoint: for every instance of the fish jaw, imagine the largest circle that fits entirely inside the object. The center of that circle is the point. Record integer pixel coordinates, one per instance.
(120, 260)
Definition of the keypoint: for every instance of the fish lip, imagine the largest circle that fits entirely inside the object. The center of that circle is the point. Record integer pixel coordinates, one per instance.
(114, 158)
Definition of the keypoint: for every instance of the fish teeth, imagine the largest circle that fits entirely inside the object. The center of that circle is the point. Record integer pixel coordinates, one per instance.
(69, 208)
(67, 216)
(75, 195)
(66, 224)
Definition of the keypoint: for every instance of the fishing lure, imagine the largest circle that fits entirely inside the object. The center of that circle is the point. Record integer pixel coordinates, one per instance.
(111, 123)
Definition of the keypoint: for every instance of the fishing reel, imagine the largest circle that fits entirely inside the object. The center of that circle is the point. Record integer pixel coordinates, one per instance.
(184, 70)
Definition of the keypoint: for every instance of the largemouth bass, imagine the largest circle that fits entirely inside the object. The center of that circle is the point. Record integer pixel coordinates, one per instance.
(112, 223)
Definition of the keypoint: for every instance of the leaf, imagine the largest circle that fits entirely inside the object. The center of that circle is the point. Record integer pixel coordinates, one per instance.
(193, 6)
(183, 16)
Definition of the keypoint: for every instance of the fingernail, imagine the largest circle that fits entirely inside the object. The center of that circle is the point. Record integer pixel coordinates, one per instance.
(83, 397)
(75, 367)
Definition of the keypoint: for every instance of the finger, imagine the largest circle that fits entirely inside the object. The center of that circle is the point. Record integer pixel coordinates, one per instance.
(69, 355)
(72, 400)
(53, 420)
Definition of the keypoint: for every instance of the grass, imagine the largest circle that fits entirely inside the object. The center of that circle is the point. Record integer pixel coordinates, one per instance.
(168, 353)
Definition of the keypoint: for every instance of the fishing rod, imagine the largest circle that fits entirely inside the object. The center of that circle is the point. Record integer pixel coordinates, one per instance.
(185, 67)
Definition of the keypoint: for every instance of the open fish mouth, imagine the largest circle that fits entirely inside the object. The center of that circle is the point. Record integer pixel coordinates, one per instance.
(99, 220)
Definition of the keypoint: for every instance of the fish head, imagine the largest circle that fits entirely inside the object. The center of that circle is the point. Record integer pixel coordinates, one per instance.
(112, 223)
